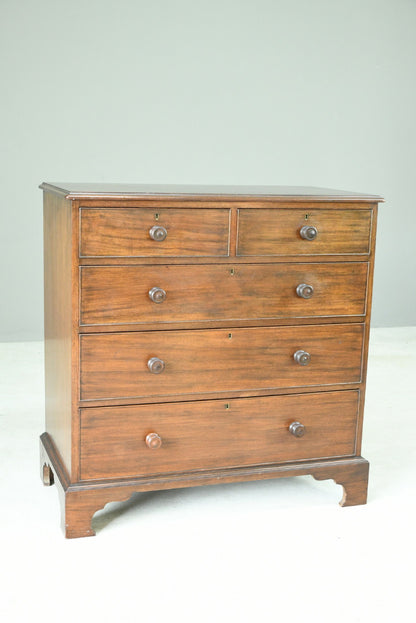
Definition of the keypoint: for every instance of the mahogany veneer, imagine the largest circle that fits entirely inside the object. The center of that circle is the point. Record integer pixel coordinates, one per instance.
(198, 335)
(119, 294)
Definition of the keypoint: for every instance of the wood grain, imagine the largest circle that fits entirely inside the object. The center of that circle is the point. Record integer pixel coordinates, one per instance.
(352, 477)
(80, 501)
(119, 295)
(125, 232)
(75, 429)
(57, 234)
(217, 360)
(184, 191)
(276, 231)
(369, 293)
(214, 434)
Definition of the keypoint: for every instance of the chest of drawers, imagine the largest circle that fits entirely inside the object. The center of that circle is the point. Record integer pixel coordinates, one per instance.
(203, 335)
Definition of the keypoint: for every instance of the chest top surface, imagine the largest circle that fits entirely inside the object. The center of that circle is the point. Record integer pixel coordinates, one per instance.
(188, 191)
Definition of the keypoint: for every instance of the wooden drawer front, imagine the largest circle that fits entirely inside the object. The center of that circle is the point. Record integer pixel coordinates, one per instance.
(124, 232)
(115, 365)
(277, 231)
(214, 434)
(120, 294)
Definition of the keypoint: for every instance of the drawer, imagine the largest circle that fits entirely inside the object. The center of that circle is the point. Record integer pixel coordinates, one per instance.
(216, 434)
(278, 231)
(118, 365)
(123, 294)
(127, 232)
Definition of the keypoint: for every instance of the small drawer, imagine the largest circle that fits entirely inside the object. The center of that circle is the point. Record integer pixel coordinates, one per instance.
(161, 294)
(297, 231)
(153, 232)
(168, 363)
(122, 442)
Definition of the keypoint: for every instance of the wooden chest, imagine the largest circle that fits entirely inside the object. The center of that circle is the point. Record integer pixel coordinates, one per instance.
(202, 335)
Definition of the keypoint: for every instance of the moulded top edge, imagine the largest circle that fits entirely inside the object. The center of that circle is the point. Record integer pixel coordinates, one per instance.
(193, 191)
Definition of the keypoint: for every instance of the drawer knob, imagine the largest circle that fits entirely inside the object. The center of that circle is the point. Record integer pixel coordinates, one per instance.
(153, 441)
(308, 232)
(158, 233)
(304, 291)
(302, 357)
(156, 365)
(297, 429)
(157, 295)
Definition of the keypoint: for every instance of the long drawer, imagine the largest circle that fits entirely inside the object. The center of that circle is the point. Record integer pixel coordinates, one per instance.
(146, 232)
(144, 294)
(279, 231)
(214, 434)
(165, 363)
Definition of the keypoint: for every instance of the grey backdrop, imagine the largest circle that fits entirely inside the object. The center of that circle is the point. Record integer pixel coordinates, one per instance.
(217, 91)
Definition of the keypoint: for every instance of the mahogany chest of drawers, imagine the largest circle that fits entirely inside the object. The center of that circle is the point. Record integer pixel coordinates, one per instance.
(202, 335)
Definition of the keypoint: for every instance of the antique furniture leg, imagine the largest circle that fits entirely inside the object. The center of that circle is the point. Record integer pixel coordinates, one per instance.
(46, 473)
(353, 478)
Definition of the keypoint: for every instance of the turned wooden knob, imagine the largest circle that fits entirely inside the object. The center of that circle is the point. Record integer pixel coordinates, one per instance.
(158, 233)
(157, 295)
(297, 429)
(156, 365)
(304, 291)
(308, 232)
(302, 357)
(153, 441)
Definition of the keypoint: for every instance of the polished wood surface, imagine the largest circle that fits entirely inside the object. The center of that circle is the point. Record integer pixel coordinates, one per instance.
(80, 501)
(195, 337)
(367, 329)
(218, 360)
(215, 434)
(120, 294)
(126, 232)
(100, 190)
(57, 220)
(353, 477)
(277, 231)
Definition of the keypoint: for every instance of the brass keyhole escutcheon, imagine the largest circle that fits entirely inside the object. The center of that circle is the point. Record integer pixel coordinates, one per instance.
(157, 216)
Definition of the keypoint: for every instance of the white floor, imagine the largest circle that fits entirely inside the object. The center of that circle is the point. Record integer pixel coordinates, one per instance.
(278, 550)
